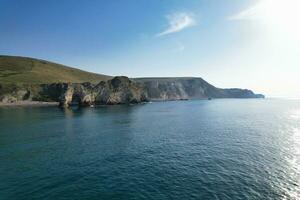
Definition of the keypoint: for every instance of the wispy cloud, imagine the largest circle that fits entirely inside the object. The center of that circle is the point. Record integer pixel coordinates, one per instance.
(252, 13)
(178, 22)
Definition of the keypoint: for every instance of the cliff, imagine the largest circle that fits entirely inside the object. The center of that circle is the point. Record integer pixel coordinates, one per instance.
(29, 79)
(119, 90)
(189, 88)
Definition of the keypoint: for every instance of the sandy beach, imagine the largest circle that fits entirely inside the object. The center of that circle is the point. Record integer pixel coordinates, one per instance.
(29, 103)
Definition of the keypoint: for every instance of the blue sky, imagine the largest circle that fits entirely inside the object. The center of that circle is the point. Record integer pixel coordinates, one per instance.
(229, 43)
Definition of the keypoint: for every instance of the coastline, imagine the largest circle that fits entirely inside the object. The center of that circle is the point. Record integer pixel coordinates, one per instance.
(29, 103)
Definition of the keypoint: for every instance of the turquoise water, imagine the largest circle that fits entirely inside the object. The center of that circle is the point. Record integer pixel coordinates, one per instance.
(219, 149)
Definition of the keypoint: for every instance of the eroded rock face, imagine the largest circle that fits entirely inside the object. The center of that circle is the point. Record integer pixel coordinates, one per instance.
(14, 94)
(119, 90)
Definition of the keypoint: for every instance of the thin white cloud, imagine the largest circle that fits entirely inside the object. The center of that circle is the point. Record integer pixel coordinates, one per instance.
(252, 13)
(178, 22)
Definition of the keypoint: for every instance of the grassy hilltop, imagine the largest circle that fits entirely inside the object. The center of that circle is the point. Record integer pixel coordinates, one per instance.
(22, 70)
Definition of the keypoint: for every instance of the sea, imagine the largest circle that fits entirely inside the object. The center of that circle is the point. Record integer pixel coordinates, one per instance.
(200, 149)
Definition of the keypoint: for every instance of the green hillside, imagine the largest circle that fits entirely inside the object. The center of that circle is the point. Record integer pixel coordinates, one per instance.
(24, 70)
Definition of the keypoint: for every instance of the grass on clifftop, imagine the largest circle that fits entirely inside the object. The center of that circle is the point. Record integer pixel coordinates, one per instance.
(22, 70)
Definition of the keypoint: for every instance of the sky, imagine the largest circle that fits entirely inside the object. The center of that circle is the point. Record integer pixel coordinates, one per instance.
(250, 44)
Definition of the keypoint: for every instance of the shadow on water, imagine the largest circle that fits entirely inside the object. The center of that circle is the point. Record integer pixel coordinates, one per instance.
(27, 124)
(39, 114)
(99, 111)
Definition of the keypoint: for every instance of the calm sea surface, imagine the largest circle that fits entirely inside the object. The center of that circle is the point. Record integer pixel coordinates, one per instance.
(219, 149)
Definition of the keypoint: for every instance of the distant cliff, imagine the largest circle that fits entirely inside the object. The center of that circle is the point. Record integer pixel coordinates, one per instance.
(189, 88)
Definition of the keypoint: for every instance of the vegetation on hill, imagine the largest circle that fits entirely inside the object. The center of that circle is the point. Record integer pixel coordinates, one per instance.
(22, 70)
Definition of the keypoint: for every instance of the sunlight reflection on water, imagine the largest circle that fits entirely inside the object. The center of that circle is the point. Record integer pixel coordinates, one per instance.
(295, 114)
(294, 162)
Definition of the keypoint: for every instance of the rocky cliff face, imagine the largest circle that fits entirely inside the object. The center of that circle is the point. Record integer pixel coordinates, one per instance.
(188, 88)
(21, 79)
(120, 90)
(10, 93)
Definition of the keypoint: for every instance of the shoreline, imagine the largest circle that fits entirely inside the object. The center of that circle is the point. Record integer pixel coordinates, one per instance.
(50, 104)
(29, 103)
